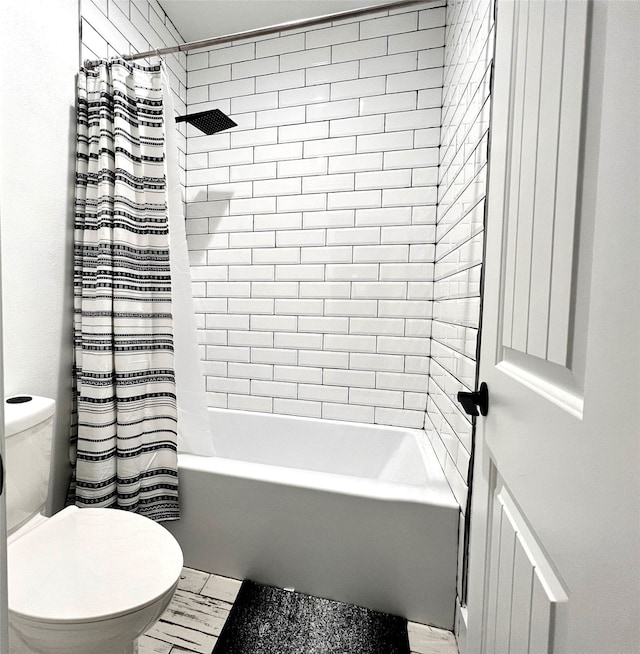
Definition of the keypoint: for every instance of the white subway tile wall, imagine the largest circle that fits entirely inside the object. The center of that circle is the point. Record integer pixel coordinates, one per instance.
(459, 234)
(312, 227)
(129, 26)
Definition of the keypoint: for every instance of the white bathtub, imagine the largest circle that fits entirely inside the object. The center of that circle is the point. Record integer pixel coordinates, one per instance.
(356, 513)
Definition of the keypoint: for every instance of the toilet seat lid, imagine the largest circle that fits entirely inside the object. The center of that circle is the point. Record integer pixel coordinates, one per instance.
(85, 565)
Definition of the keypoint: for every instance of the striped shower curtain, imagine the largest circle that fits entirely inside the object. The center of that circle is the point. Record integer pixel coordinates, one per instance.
(123, 440)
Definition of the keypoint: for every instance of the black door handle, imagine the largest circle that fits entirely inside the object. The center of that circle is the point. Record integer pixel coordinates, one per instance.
(479, 399)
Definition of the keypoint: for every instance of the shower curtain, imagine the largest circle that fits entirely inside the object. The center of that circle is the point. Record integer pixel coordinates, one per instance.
(124, 434)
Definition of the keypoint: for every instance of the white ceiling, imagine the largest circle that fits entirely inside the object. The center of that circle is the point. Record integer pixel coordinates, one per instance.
(202, 19)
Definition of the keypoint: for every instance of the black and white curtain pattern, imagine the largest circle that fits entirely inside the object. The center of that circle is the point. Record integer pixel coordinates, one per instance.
(123, 441)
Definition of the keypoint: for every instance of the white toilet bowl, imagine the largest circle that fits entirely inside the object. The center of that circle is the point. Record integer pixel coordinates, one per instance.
(90, 580)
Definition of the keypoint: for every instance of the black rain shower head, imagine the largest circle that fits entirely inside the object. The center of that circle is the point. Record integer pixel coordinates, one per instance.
(209, 122)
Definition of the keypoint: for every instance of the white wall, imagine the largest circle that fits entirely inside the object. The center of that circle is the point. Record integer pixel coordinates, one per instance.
(39, 55)
(311, 224)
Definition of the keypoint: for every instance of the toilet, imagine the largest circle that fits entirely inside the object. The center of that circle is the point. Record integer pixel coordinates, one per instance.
(84, 580)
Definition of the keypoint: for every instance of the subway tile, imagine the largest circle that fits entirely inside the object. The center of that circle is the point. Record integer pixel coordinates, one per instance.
(279, 81)
(228, 385)
(424, 176)
(355, 162)
(298, 407)
(250, 403)
(225, 353)
(350, 307)
(274, 323)
(321, 393)
(353, 236)
(409, 196)
(255, 67)
(252, 239)
(300, 238)
(327, 183)
(305, 132)
(429, 98)
(427, 138)
(328, 147)
(357, 378)
(208, 176)
(324, 359)
(228, 289)
(251, 273)
(383, 216)
(274, 356)
(386, 179)
(395, 63)
(382, 142)
(263, 136)
(297, 168)
(379, 290)
(252, 205)
(309, 202)
(287, 186)
(256, 102)
(233, 89)
(411, 158)
(408, 234)
(334, 109)
(399, 417)
(375, 397)
(406, 271)
(348, 412)
(402, 381)
(382, 104)
(362, 49)
(304, 307)
(378, 253)
(251, 338)
(377, 362)
(207, 143)
(417, 119)
(298, 272)
(347, 70)
(324, 324)
(358, 88)
(271, 221)
(250, 305)
(339, 218)
(377, 326)
(231, 54)
(274, 289)
(239, 223)
(300, 374)
(351, 272)
(231, 157)
(404, 309)
(331, 35)
(407, 22)
(208, 76)
(273, 388)
(350, 343)
(418, 40)
(280, 45)
(310, 57)
(304, 96)
(403, 345)
(298, 341)
(435, 17)
(324, 289)
(354, 126)
(414, 80)
(353, 199)
(217, 192)
(282, 151)
(431, 58)
(265, 170)
(285, 116)
(276, 255)
(251, 370)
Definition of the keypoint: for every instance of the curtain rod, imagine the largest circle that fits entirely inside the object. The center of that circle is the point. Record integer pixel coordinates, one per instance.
(273, 29)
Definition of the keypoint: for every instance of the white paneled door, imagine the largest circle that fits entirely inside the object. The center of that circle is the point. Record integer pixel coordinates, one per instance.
(555, 527)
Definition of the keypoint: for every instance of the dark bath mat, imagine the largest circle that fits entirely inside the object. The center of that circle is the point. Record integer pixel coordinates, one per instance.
(268, 620)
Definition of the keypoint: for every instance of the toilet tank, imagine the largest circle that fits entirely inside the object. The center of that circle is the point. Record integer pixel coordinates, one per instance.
(28, 423)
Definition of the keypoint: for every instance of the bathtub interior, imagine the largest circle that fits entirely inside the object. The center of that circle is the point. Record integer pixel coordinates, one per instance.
(328, 446)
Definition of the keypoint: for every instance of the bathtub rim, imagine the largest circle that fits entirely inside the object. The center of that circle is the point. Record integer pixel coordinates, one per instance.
(437, 493)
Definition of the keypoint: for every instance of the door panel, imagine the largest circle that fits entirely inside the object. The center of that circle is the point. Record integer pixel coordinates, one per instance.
(555, 519)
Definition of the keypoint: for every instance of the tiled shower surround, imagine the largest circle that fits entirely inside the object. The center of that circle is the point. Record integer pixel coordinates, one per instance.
(336, 233)
(311, 226)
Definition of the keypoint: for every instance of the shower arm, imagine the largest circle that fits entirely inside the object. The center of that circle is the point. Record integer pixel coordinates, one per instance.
(263, 31)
